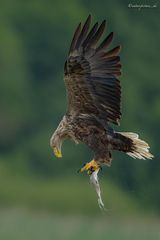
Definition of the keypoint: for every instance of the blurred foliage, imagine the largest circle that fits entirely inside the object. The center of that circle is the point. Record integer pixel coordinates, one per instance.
(58, 196)
(19, 224)
(34, 40)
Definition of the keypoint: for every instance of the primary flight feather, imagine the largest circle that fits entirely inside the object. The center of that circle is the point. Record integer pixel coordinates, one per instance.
(93, 89)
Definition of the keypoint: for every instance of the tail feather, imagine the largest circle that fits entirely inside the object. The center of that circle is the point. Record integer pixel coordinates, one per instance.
(138, 148)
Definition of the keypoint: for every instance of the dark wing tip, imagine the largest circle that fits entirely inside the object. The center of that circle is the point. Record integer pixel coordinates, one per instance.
(90, 35)
(88, 20)
(89, 17)
(84, 32)
(79, 34)
(75, 38)
(106, 42)
(102, 27)
(113, 52)
(97, 35)
(104, 22)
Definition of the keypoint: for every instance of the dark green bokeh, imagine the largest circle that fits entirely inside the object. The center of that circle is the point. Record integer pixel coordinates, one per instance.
(34, 40)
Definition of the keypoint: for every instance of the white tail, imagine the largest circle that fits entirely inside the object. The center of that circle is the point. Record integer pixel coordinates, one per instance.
(140, 147)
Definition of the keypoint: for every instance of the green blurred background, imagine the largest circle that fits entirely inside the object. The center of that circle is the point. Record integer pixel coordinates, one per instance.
(42, 197)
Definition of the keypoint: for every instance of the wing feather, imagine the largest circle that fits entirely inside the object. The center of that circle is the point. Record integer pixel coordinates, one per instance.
(91, 73)
(114, 52)
(97, 35)
(105, 43)
(75, 38)
(84, 32)
(90, 35)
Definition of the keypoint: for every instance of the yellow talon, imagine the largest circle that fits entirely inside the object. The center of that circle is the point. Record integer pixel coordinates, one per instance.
(57, 152)
(90, 167)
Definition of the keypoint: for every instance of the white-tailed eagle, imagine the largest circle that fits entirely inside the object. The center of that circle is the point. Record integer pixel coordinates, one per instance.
(93, 89)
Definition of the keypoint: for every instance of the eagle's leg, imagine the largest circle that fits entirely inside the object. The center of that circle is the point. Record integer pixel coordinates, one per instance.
(90, 167)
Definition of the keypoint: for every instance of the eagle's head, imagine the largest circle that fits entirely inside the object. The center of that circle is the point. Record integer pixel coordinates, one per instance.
(58, 137)
(56, 143)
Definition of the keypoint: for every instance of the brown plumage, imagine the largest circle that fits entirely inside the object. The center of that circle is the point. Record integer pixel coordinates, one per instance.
(93, 91)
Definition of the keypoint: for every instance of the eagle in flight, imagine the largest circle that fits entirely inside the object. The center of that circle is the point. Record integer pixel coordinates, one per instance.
(93, 89)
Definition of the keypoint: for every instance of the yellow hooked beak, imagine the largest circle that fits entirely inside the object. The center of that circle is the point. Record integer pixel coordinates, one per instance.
(57, 152)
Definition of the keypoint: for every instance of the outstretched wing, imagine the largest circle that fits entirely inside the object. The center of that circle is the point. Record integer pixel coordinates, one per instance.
(91, 74)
